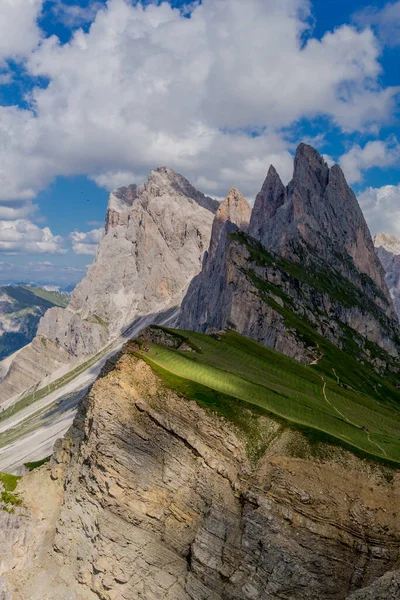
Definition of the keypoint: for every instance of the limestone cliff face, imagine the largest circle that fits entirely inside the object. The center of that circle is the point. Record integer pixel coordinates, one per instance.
(207, 292)
(317, 214)
(153, 244)
(308, 256)
(162, 499)
(388, 251)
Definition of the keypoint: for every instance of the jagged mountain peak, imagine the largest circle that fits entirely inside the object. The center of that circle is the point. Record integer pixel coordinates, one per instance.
(163, 187)
(164, 181)
(235, 209)
(233, 212)
(122, 198)
(311, 232)
(308, 155)
(271, 197)
(310, 173)
(317, 213)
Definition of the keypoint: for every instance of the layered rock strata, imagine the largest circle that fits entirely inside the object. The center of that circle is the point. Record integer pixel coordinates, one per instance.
(162, 500)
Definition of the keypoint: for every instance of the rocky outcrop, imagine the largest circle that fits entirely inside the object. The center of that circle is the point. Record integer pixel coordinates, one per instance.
(163, 500)
(307, 263)
(386, 587)
(318, 215)
(206, 297)
(153, 245)
(387, 248)
(272, 196)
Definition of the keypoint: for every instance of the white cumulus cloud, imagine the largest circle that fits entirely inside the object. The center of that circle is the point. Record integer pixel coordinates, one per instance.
(74, 15)
(23, 236)
(85, 243)
(110, 180)
(375, 153)
(381, 207)
(211, 96)
(385, 19)
(19, 32)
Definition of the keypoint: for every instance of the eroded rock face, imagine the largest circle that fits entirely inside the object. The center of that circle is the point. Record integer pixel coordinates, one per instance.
(208, 297)
(272, 196)
(317, 214)
(148, 254)
(388, 251)
(314, 257)
(153, 244)
(386, 587)
(161, 500)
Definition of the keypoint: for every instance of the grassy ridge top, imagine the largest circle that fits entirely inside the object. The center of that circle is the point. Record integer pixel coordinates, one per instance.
(29, 296)
(54, 297)
(310, 396)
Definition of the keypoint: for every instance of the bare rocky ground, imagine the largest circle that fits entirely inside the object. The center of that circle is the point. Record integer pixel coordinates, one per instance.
(151, 497)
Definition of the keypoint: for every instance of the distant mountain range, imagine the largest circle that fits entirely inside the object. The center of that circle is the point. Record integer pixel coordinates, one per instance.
(21, 308)
(388, 250)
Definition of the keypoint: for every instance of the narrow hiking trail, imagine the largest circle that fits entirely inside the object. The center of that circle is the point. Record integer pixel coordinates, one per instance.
(336, 375)
(316, 360)
(344, 417)
(330, 403)
(376, 444)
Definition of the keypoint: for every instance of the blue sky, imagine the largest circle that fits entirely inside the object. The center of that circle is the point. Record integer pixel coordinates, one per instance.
(95, 94)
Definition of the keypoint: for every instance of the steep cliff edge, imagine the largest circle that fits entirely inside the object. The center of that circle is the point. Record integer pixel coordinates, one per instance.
(153, 244)
(161, 499)
(305, 263)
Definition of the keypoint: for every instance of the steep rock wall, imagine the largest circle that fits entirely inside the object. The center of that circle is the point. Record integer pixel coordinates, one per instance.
(161, 500)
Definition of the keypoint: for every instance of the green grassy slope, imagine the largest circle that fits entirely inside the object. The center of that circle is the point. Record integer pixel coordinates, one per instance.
(25, 298)
(55, 298)
(334, 397)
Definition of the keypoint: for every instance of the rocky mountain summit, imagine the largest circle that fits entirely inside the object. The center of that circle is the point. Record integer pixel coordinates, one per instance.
(306, 261)
(153, 244)
(317, 214)
(387, 248)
